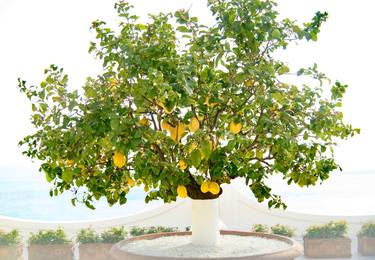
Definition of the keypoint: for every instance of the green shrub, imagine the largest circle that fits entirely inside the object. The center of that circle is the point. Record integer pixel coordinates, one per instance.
(260, 228)
(282, 230)
(330, 230)
(113, 235)
(88, 236)
(138, 231)
(11, 238)
(48, 237)
(367, 230)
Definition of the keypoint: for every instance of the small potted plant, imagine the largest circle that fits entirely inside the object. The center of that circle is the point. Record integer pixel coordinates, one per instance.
(327, 241)
(260, 228)
(366, 240)
(50, 244)
(93, 246)
(282, 230)
(10, 245)
(139, 231)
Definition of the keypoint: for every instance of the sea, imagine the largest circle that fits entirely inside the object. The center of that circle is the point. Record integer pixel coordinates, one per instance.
(24, 194)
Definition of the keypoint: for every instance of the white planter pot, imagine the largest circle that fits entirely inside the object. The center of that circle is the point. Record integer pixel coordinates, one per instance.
(205, 222)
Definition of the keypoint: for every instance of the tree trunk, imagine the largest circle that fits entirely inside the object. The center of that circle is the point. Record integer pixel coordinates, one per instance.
(205, 222)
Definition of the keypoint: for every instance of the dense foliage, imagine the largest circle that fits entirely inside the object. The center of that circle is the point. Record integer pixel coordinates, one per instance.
(183, 108)
(330, 230)
(260, 228)
(138, 231)
(367, 230)
(90, 236)
(9, 238)
(113, 235)
(49, 237)
(282, 230)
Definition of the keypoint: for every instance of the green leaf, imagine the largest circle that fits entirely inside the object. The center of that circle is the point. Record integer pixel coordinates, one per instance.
(276, 34)
(231, 145)
(259, 154)
(89, 205)
(48, 178)
(278, 96)
(283, 70)
(195, 158)
(206, 149)
(183, 29)
(67, 176)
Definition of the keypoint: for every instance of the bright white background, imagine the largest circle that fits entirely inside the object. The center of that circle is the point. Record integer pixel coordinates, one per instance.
(34, 34)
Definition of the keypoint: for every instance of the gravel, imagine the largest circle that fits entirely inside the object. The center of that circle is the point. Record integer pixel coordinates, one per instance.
(229, 246)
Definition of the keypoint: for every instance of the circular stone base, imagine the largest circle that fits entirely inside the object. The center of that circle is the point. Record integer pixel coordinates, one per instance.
(233, 245)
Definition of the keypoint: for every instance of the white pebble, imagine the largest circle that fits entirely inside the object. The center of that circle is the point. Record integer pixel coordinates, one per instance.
(229, 246)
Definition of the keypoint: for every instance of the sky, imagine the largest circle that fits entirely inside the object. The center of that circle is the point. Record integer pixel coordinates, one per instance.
(34, 34)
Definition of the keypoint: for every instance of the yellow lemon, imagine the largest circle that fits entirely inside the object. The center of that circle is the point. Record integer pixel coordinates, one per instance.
(112, 84)
(173, 132)
(131, 182)
(165, 125)
(193, 125)
(177, 132)
(144, 121)
(181, 129)
(235, 128)
(82, 169)
(249, 83)
(182, 165)
(70, 163)
(214, 188)
(204, 187)
(182, 191)
(119, 159)
(192, 147)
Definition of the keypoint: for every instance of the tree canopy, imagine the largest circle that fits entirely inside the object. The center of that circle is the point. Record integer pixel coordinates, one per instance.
(182, 108)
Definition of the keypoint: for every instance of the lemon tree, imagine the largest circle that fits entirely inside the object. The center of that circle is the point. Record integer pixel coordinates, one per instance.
(182, 108)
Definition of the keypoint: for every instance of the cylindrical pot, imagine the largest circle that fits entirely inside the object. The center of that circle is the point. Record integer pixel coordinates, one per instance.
(205, 222)
(289, 253)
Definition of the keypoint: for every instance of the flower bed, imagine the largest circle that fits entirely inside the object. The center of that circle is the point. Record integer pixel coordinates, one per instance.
(328, 240)
(366, 240)
(93, 246)
(10, 245)
(50, 244)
